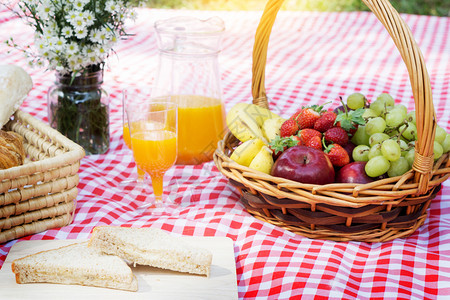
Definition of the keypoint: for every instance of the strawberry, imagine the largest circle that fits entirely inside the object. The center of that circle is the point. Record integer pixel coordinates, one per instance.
(314, 142)
(295, 116)
(336, 135)
(325, 122)
(309, 116)
(279, 144)
(337, 155)
(307, 133)
(288, 128)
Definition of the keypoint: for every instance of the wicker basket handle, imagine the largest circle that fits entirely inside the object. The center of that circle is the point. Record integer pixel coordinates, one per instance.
(412, 57)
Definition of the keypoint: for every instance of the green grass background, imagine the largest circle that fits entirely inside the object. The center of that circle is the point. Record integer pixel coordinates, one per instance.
(420, 7)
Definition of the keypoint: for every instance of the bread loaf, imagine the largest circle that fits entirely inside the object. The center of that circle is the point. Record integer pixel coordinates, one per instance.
(11, 149)
(15, 84)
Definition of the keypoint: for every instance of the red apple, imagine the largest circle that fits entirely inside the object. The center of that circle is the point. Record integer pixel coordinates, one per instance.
(349, 148)
(304, 164)
(353, 173)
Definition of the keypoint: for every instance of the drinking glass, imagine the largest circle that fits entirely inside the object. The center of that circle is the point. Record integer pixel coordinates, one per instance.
(153, 131)
(127, 139)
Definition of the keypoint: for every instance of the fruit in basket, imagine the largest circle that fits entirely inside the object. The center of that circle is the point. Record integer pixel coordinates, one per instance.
(375, 125)
(337, 155)
(246, 152)
(353, 172)
(245, 121)
(288, 128)
(263, 161)
(399, 167)
(271, 128)
(325, 122)
(361, 153)
(356, 100)
(446, 143)
(314, 142)
(278, 145)
(336, 135)
(377, 166)
(304, 164)
(308, 116)
(391, 150)
(307, 134)
(360, 137)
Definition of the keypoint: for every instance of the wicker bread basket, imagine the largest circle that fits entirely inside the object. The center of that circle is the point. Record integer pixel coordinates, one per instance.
(378, 211)
(40, 194)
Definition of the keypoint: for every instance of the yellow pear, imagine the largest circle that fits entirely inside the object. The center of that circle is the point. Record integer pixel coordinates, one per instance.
(263, 161)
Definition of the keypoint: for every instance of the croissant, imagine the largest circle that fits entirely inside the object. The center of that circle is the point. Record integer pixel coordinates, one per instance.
(12, 152)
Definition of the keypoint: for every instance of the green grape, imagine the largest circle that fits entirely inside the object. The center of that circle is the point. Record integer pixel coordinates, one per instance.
(392, 133)
(391, 150)
(395, 117)
(398, 167)
(411, 116)
(446, 143)
(377, 166)
(440, 135)
(402, 107)
(377, 138)
(410, 157)
(437, 150)
(369, 113)
(361, 153)
(403, 146)
(375, 125)
(356, 100)
(377, 107)
(360, 137)
(387, 99)
(375, 151)
(410, 133)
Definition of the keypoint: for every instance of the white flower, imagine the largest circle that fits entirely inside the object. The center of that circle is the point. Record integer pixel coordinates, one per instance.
(113, 6)
(67, 32)
(68, 37)
(72, 48)
(81, 33)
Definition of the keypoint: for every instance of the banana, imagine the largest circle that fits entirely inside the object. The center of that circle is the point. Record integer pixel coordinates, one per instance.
(246, 152)
(263, 161)
(271, 128)
(245, 121)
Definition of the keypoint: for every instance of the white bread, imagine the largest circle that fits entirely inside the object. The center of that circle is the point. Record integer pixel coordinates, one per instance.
(152, 247)
(15, 84)
(75, 264)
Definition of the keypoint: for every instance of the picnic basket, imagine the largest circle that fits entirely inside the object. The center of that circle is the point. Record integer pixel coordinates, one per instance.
(379, 211)
(41, 193)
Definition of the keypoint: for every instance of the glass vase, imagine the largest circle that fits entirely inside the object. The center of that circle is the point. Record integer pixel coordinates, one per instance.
(78, 108)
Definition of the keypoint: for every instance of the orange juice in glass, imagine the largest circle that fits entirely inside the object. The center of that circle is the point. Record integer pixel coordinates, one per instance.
(153, 128)
(127, 139)
(201, 124)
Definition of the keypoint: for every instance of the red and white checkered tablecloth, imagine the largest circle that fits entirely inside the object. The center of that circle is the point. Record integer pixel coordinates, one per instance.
(313, 58)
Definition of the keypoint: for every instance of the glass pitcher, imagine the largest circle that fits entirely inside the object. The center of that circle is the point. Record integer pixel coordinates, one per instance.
(188, 70)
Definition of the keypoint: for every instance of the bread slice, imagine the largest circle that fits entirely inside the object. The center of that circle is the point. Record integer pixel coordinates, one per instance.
(152, 247)
(75, 264)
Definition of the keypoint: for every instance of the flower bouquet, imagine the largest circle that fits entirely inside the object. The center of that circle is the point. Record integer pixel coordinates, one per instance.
(74, 38)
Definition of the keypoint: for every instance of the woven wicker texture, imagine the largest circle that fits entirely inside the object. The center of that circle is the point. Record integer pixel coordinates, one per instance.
(40, 194)
(379, 211)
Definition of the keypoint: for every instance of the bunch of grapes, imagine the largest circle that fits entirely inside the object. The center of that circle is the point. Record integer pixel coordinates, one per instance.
(387, 140)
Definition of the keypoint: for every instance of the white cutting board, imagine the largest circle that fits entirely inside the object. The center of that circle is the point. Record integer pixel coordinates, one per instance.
(153, 283)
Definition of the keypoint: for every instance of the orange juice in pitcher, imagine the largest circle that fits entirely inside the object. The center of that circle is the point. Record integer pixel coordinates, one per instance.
(201, 124)
(188, 72)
